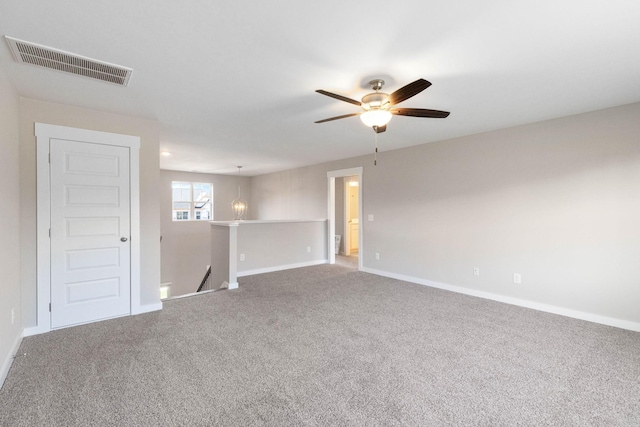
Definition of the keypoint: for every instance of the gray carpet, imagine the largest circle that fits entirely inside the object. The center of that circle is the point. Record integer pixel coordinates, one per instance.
(327, 345)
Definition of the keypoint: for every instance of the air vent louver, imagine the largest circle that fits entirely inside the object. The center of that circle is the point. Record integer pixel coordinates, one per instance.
(43, 56)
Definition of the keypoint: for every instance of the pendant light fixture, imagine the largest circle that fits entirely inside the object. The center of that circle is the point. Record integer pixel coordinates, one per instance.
(239, 206)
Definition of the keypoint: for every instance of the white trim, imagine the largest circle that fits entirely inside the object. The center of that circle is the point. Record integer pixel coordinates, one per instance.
(148, 308)
(567, 312)
(281, 267)
(43, 133)
(232, 283)
(134, 196)
(331, 213)
(192, 294)
(346, 212)
(43, 224)
(6, 365)
(34, 330)
(331, 219)
(345, 172)
(90, 321)
(261, 221)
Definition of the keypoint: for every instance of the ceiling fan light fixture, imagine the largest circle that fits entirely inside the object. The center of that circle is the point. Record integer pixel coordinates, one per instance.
(375, 117)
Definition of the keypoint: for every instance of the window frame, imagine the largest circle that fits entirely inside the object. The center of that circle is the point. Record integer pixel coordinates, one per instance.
(193, 208)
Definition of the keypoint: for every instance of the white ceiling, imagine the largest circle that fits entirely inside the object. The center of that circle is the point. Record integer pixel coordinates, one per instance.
(232, 83)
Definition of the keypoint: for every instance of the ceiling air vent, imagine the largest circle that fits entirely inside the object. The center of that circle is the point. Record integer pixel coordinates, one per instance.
(55, 59)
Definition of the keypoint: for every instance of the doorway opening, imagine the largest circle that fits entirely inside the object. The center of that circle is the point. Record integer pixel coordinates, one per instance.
(351, 217)
(344, 211)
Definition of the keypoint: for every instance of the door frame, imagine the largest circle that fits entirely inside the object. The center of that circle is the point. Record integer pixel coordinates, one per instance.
(44, 133)
(331, 212)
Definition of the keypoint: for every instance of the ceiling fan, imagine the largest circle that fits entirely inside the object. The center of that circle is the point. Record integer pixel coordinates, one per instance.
(377, 106)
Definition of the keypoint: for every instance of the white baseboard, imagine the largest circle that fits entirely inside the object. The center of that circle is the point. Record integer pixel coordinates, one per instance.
(589, 317)
(192, 294)
(281, 267)
(34, 330)
(147, 308)
(6, 364)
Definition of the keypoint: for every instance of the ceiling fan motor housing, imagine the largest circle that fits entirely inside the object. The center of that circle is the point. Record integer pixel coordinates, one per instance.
(376, 101)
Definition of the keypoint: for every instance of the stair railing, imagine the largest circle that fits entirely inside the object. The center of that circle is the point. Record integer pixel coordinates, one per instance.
(205, 281)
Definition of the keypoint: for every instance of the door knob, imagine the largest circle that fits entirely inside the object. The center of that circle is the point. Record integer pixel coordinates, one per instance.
(123, 239)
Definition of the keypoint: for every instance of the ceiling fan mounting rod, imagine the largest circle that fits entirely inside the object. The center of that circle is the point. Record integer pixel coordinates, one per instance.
(376, 84)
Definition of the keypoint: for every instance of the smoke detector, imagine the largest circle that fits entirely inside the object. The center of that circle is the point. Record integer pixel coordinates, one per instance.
(56, 59)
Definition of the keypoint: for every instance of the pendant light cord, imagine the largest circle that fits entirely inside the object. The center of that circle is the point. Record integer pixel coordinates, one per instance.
(239, 167)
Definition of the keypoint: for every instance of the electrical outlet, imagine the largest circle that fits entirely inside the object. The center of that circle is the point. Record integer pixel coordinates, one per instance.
(308, 249)
(476, 271)
(241, 257)
(377, 255)
(13, 315)
(517, 278)
(370, 217)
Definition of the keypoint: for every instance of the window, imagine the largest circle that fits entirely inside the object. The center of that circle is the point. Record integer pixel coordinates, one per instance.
(192, 201)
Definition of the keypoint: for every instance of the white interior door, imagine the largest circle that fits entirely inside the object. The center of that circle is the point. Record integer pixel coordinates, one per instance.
(90, 232)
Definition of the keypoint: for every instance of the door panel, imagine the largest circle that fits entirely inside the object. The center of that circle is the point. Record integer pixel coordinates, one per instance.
(91, 195)
(92, 290)
(90, 213)
(85, 227)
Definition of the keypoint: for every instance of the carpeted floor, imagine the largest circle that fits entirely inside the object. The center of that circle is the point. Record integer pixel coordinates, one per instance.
(327, 345)
(347, 261)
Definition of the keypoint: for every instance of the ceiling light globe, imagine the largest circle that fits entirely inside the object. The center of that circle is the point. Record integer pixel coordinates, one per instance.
(375, 117)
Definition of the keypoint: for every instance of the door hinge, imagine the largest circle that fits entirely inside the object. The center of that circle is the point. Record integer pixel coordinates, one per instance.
(49, 233)
(49, 157)
(49, 307)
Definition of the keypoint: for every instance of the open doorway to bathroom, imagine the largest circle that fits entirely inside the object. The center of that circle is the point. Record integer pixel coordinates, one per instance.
(351, 216)
(345, 211)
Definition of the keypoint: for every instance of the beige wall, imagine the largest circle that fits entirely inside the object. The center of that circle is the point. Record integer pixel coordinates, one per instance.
(557, 202)
(186, 246)
(32, 111)
(276, 245)
(10, 224)
(293, 194)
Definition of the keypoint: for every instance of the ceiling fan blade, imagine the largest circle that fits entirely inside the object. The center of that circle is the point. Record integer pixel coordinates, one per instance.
(379, 129)
(420, 112)
(408, 91)
(340, 97)
(337, 117)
